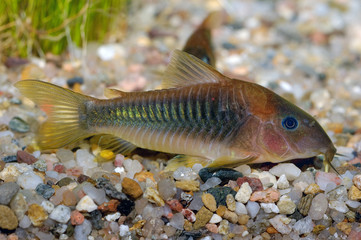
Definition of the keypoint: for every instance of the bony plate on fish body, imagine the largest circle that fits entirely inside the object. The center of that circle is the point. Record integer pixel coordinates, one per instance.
(200, 114)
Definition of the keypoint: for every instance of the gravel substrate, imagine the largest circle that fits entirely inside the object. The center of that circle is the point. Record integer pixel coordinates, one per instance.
(307, 51)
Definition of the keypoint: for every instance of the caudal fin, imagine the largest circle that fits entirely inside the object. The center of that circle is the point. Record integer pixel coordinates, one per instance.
(66, 111)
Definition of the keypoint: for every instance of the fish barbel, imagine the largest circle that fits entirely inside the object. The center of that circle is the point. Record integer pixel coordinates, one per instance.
(199, 113)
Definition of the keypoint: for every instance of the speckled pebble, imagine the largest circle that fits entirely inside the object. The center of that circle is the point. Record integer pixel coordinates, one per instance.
(354, 194)
(60, 214)
(45, 190)
(153, 196)
(209, 201)
(266, 196)
(37, 215)
(19, 205)
(286, 205)
(357, 181)
(202, 218)
(231, 203)
(305, 204)
(313, 188)
(8, 220)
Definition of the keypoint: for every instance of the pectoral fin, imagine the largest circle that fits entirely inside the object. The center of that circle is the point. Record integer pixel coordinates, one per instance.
(227, 161)
(185, 161)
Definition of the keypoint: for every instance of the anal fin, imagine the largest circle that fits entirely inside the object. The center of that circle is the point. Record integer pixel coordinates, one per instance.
(112, 143)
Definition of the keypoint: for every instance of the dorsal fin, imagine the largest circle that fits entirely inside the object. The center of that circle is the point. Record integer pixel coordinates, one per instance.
(185, 69)
(114, 93)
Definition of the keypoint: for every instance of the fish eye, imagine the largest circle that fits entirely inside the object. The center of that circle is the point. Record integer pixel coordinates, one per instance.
(289, 123)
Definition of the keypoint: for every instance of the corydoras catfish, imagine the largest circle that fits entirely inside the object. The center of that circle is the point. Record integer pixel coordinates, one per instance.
(200, 114)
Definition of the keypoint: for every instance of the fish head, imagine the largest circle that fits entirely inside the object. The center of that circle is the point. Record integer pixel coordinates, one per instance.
(287, 132)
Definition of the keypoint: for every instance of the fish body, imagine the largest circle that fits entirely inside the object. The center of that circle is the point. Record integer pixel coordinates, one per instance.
(199, 44)
(200, 113)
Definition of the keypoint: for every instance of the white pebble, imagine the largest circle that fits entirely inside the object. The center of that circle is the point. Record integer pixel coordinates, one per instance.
(270, 208)
(29, 180)
(244, 193)
(86, 204)
(25, 222)
(211, 182)
(353, 204)
(289, 169)
(184, 173)
(240, 208)
(85, 160)
(112, 217)
(304, 225)
(280, 223)
(338, 206)
(98, 195)
(252, 208)
(215, 219)
(60, 214)
(47, 205)
(282, 182)
(177, 221)
(132, 167)
(196, 167)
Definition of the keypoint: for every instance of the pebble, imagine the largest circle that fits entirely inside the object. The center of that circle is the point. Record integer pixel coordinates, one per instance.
(225, 174)
(282, 182)
(305, 204)
(17, 124)
(209, 201)
(240, 208)
(86, 204)
(45, 190)
(131, 188)
(82, 231)
(357, 181)
(64, 155)
(189, 215)
(231, 203)
(25, 222)
(196, 203)
(48, 206)
(202, 218)
(132, 167)
(7, 191)
(269, 195)
(71, 81)
(8, 219)
(344, 227)
(270, 208)
(338, 206)
(215, 218)
(254, 183)
(252, 208)
(213, 228)
(125, 207)
(188, 185)
(60, 214)
(210, 183)
(37, 215)
(98, 195)
(318, 207)
(322, 179)
(281, 224)
(244, 193)
(220, 194)
(177, 221)
(64, 181)
(303, 226)
(19, 205)
(109, 189)
(166, 188)
(25, 157)
(110, 206)
(288, 169)
(223, 227)
(29, 180)
(354, 193)
(76, 218)
(243, 219)
(85, 160)
(313, 188)
(267, 179)
(230, 216)
(184, 173)
(175, 205)
(153, 196)
(286, 205)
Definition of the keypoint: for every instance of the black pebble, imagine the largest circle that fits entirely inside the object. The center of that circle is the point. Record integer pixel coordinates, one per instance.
(125, 207)
(96, 219)
(9, 159)
(225, 174)
(220, 194)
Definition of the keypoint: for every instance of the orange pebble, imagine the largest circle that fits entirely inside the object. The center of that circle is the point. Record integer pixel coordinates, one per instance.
(76, 218)
(271, 230)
